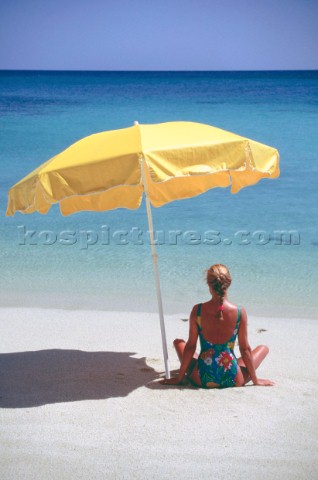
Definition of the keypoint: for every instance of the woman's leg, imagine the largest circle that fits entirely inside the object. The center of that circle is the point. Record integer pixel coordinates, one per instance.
(258, 354)
(179, 345)
(192, 372)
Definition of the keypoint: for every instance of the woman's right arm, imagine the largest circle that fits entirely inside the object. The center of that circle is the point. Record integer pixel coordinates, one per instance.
(245, 348)
(246, 352)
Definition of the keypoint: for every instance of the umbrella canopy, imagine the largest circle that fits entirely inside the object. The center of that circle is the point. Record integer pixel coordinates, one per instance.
(167, 162)
(182, 159)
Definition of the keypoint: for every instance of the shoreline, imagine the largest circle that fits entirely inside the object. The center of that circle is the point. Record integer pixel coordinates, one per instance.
(169, 309)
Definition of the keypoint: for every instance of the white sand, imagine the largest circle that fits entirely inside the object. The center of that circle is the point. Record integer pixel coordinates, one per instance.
(80, 400)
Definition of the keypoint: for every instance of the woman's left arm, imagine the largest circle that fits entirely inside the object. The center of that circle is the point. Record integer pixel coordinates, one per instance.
(189, 350)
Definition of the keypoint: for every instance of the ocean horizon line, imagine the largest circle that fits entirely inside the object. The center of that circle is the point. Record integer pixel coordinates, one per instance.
(156, 71)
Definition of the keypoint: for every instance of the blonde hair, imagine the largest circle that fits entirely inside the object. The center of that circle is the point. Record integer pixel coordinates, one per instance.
(219, 278)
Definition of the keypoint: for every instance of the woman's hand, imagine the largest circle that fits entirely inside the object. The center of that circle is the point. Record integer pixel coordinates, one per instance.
(171, 381)
(263, 382)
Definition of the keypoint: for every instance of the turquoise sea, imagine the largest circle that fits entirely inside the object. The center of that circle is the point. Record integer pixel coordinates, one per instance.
(42, 113)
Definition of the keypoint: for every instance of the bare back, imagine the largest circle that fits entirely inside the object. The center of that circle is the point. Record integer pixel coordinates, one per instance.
(215, 330)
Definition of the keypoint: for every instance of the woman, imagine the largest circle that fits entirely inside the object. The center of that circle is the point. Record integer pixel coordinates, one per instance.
(217, 323)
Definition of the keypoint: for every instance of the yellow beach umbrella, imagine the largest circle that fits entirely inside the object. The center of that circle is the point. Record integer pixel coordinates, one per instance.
(167, 162)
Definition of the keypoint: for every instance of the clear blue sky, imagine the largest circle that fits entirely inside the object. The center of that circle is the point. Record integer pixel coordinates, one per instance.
(159, 35)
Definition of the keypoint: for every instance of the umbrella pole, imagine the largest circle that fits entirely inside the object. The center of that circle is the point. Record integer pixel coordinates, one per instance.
(155, 270)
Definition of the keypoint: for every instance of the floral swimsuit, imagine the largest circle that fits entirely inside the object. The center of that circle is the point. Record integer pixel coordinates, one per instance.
(217, 363)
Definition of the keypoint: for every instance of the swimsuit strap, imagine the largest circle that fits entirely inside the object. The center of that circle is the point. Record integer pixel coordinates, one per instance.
(199, 315)
(238, 316)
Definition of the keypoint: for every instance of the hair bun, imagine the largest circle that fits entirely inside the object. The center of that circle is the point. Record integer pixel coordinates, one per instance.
(218, 276)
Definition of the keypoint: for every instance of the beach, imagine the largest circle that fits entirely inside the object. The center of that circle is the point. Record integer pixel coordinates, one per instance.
(80, 398)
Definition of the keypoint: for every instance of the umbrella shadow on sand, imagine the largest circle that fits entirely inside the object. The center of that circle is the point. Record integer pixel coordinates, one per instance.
(31, 379)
